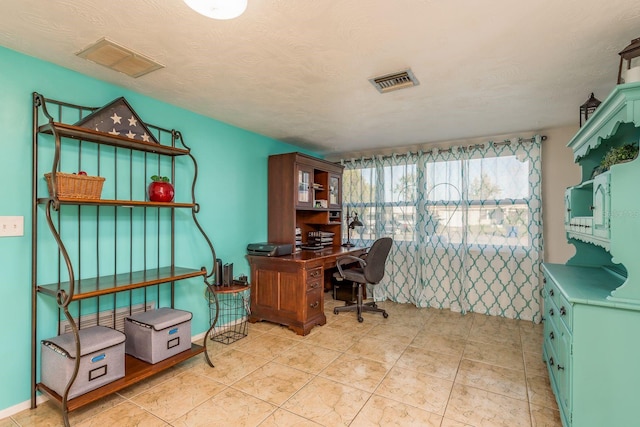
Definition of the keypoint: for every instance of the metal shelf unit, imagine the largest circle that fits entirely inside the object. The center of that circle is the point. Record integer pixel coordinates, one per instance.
(105, 254)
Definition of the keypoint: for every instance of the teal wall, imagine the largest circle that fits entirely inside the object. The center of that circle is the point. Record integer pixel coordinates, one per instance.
(231, 189)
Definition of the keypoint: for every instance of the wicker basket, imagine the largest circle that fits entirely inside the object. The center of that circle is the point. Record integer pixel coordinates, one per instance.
(74, 186)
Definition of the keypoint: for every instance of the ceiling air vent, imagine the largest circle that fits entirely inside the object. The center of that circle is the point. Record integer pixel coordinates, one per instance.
(119, 58)
(395, 81)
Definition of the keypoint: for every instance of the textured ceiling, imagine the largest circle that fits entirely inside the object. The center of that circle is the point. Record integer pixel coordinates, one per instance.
(298, 70)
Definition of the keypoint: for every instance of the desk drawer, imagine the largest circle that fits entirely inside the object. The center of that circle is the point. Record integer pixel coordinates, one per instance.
(314, 279)
(314, 303)
(313, 284)
(314, 274)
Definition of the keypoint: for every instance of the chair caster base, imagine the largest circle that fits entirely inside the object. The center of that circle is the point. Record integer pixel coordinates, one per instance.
(385, 314)
(360, 319)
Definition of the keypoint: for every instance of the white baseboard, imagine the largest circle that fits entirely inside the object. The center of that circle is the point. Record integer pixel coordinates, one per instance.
(12, 410)
(198, 337)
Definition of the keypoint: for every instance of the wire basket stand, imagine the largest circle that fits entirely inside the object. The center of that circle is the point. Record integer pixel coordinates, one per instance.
(233, 315)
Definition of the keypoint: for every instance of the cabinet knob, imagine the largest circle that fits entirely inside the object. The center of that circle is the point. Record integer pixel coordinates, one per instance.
(314, 285)
(563, 311)
(315, 274)
(551, 361)
(544, 280)
(315, 304)
(551, 292)
(551, 312)
(568, 209)
(551, 336)
(560, 368)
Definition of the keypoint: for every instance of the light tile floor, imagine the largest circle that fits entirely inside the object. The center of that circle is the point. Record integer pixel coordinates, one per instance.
(419, 367)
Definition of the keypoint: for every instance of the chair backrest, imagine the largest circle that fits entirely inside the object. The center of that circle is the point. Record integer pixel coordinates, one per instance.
(376, 259)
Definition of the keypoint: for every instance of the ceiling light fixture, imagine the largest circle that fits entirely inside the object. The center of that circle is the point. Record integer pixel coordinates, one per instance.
(218, 9)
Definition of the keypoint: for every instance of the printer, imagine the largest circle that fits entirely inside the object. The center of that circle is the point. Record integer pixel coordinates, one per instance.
(269, 249)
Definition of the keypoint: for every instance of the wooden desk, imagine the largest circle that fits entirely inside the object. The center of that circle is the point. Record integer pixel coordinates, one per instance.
(289, 289)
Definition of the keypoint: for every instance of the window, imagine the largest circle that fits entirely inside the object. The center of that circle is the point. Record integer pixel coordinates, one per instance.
(484, 201)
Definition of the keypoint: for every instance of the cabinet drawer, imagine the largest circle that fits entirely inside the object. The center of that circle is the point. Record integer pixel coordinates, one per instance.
(565, 311)
(561, 308)
(560, 367)
(559, 376)
(557, 344)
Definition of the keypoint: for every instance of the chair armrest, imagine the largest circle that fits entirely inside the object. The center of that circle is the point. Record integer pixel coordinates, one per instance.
(348, 259)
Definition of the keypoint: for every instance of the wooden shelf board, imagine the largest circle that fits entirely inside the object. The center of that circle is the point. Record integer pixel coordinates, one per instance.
(122, 203)
(104, 285)
(85, 134)
(135, 371)
(233, 289)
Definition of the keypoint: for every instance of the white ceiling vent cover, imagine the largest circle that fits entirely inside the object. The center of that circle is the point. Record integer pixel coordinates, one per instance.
(119, 58)
(395, 81)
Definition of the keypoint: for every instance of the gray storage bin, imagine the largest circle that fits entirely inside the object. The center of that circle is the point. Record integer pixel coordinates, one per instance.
(156, 335)
(101, 360)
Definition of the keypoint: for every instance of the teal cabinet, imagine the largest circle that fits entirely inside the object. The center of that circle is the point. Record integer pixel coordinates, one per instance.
(592, 303)
(591, 350)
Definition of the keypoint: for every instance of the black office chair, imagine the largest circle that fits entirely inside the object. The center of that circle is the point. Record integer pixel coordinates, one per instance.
(369, 272)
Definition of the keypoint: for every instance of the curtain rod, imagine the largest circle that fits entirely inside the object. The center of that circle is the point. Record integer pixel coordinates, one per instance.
(448, 150)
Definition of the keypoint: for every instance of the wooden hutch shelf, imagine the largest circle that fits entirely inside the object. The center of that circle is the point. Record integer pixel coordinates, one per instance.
(305, 196)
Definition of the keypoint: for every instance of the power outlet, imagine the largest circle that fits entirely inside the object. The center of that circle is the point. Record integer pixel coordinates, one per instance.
(11, 226)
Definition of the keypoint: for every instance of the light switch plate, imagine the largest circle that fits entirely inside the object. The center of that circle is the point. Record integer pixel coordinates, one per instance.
(11, 226)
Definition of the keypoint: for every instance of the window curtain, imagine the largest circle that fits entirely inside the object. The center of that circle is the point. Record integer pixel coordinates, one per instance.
(466, 224)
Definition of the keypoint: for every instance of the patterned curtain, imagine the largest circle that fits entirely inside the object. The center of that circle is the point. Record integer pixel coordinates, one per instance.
(466, 224)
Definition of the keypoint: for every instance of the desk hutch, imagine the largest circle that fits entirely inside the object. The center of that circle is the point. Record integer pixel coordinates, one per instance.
(304, 194)
(95, 259)
(592, 303)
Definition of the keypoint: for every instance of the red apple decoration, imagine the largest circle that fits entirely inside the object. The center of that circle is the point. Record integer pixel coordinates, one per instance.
(83, 173)
(160, 190)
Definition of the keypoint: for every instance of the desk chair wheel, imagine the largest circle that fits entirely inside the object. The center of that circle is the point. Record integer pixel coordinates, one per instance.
(385, 314)
(360, 319)
(335, 311)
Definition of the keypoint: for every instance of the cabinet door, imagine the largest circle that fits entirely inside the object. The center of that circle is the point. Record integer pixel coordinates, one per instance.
(567, 208)
(563, 370)
(601, 205)
(335, 191)
(304, 177)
